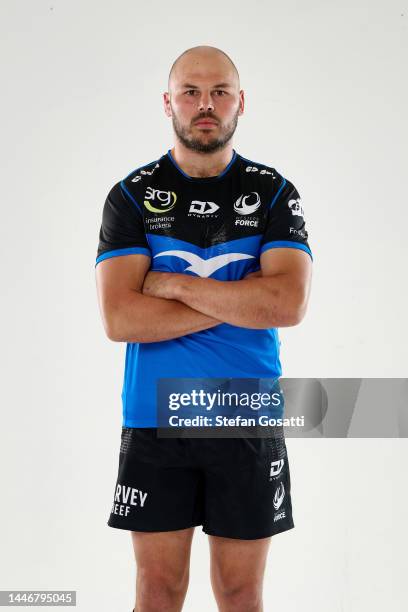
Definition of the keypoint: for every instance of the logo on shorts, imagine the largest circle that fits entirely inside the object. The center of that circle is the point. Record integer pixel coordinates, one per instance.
(278, 516)
(125, 497)
(279, 496)
(276, 468)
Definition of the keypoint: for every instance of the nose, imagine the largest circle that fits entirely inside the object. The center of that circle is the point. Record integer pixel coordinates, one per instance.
(205, 103)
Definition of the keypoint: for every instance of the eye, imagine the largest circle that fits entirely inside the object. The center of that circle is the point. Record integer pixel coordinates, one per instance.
(220, 92)
(190, 91)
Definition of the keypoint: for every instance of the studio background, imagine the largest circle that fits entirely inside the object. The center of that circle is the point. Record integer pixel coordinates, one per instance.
(326, 99)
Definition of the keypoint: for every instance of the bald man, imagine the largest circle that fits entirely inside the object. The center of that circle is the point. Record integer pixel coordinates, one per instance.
(202, 255)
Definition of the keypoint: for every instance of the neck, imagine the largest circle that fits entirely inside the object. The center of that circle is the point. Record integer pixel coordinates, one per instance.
(200, 165)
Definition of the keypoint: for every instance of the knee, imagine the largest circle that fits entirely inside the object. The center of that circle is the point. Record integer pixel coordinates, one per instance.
(161, 588)
(242, 597)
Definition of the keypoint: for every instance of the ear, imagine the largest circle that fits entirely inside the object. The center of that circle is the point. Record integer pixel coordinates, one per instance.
(241, 102)
(166, 104)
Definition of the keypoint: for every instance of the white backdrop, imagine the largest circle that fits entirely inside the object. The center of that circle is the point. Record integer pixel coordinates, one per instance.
(326, 100)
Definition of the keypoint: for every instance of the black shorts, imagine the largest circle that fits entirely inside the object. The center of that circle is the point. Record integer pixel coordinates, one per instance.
(233, 487)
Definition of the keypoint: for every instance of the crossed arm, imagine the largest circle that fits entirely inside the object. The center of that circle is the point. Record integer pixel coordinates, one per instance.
(138, 305)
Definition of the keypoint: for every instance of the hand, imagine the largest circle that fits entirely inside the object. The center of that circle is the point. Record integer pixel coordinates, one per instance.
(160, 284)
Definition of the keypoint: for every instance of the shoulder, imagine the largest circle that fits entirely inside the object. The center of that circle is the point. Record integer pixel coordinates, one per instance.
(142, 173)
(254, 168)
(262, 173)
(133, 184)
(265, 178)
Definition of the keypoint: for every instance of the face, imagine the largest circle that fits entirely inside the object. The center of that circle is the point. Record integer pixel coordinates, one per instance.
(204, 102)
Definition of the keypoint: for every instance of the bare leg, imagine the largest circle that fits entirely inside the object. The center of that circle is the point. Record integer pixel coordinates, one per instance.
(163, 564)
(237, 572)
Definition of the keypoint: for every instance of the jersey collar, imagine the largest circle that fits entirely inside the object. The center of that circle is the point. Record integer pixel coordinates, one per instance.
(203, 178)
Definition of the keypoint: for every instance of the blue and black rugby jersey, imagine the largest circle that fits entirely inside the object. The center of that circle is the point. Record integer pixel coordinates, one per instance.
(213, 227)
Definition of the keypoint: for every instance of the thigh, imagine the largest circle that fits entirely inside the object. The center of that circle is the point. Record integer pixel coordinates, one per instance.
(235, 563)
(165, 554)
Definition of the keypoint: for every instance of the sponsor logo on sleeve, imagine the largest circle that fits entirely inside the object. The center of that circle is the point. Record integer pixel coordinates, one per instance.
(298, 232)
(296, 208)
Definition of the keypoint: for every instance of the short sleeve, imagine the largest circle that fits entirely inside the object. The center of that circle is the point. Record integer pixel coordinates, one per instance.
(122, 230)
(286, 223)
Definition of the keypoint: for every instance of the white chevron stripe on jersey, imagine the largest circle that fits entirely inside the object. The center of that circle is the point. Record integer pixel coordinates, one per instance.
(206, 267)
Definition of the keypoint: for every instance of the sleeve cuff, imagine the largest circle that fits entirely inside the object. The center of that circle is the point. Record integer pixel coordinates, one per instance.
(119, 252)
(288, 244)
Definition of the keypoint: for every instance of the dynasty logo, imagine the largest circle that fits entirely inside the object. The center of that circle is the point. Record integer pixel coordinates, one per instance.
(202, 209)
(276, 468)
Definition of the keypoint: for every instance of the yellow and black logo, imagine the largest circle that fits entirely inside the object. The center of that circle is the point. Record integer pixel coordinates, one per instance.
(158, 201)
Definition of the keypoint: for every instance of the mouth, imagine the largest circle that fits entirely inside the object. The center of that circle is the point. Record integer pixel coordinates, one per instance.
(205, 123)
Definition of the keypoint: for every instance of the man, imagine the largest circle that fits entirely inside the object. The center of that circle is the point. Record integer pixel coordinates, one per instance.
(202, 255)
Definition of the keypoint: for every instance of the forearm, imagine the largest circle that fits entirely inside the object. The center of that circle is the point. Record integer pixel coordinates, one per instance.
(141, 318)
(259, 303)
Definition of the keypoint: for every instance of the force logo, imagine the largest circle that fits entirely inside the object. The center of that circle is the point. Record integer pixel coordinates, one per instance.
(295, 207)
(247, 222)
(165, 199)
(202, 208)
(279, 496)
(278, 516)
(276, 467)
(241, 206)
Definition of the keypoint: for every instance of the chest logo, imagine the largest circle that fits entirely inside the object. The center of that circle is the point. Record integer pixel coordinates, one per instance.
(205, 267)
(247, 204)
(158, 201)
(203, 208)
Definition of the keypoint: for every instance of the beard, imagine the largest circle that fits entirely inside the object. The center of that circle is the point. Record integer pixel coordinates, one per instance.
(200, 145)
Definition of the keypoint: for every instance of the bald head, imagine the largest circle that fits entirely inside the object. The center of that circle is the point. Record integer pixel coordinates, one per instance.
(201, 58)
